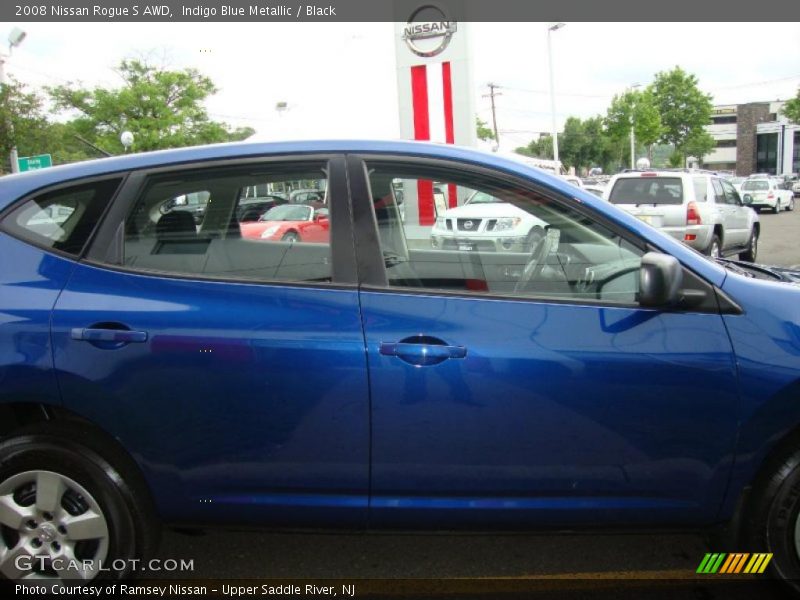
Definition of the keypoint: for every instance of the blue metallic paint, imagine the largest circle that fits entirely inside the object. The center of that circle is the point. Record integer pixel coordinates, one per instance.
(243, 398)
(623, 415)
(626, 415)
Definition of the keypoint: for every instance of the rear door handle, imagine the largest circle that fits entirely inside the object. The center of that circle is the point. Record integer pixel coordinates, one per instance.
(422, 350)
(114, 336)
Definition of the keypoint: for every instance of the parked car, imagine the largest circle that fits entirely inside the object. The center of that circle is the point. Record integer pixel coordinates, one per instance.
(253, 208)
(597, 190)
(485, 222)
(796, 187)
(193, 203)
(315, 198)
(737, 182)
(764, 192)
(700, 209)
(159, 374)
(290, 223)
(576, 181)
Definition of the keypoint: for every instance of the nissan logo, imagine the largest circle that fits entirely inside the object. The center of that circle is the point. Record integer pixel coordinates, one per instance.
(469, 225)
(428, 38)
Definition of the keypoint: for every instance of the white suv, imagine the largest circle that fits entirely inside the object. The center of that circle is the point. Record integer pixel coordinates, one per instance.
(489, 224)
(700, 209)
(768, 193)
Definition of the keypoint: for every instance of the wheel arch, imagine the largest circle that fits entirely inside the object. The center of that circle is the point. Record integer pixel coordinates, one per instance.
(18, 416)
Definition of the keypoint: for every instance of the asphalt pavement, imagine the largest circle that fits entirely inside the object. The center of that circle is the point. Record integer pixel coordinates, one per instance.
(780, 238)
(631, 565)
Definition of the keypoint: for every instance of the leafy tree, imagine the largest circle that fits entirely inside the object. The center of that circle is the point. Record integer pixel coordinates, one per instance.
(22, 120)
(684, 109)
(539, 148)
(639, 108)
(485, 132)
(791, 110)
(698, 145)
(162, 108)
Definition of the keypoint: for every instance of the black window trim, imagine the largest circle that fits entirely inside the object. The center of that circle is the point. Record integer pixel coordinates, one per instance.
(122, 176)
(372, 269)
(106, 248)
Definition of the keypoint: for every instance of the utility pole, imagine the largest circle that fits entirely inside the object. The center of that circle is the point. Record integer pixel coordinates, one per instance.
(492, 94)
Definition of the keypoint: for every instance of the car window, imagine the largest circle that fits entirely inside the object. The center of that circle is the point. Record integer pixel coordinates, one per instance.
(756, 185)
(226, 241)
(719, 194)
(647, 190)
(700, 189)
(731, 195)
(522, 244)
(62, 219)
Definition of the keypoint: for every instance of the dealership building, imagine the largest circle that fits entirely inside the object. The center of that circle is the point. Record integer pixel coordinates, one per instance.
(753, 138)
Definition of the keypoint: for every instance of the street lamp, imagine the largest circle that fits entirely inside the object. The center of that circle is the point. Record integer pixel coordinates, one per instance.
(14, 39)
(633, 126)
(550, 30)
(126, 139)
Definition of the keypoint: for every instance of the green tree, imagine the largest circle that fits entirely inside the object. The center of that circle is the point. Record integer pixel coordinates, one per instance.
(684, 109)
(639, 108)
(162, 108)
(485, 132)
(539, 148)
(698, 145)
(22, 121)
(791, 110)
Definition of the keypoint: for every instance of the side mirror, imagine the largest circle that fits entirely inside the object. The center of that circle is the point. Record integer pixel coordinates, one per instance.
(660, 278)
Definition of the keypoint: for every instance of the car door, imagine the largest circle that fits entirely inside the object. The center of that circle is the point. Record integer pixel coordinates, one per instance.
(232, 369)
(529, 388)
(726, 214)
(739, 220)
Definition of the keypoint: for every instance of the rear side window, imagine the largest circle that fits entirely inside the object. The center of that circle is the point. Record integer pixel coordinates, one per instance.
(62, 219)
(700, 189)
(647, 190)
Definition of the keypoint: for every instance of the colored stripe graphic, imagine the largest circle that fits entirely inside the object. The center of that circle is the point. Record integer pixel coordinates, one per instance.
(734, 563)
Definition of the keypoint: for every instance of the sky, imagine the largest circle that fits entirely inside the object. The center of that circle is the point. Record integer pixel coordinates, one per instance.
(339, 79)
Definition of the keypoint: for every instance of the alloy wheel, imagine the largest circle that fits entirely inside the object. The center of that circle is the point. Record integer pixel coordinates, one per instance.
(50, 528)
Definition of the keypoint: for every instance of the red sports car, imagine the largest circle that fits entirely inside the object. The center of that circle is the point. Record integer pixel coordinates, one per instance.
(290, 223)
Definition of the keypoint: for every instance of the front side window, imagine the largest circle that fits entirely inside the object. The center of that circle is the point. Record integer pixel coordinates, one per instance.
(731, 195)
(208, 225)
(495, 239)
(62, 219)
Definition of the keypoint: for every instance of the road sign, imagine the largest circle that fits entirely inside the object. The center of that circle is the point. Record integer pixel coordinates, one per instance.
(32, 163)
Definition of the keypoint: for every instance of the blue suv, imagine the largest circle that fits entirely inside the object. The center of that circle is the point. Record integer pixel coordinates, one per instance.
(159, 371)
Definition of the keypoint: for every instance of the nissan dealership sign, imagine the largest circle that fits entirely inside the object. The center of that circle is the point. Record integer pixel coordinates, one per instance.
(428, 38)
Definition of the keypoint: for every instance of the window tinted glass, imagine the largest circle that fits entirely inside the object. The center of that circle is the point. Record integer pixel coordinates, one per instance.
(758, 185)
(731, 195)
(62, 219)
(647, 190)
(700, 189)
(719, 195)
(208, 224)
(513, 241)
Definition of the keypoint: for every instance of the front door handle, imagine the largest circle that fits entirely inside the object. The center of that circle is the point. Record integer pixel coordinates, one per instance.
(422, 350)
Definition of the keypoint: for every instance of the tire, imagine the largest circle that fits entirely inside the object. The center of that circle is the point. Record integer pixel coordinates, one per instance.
(773, 518)
(790, 206)
(777, 208)
(751, 253)
(715, 247)
(89, 480)
(290, 236)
